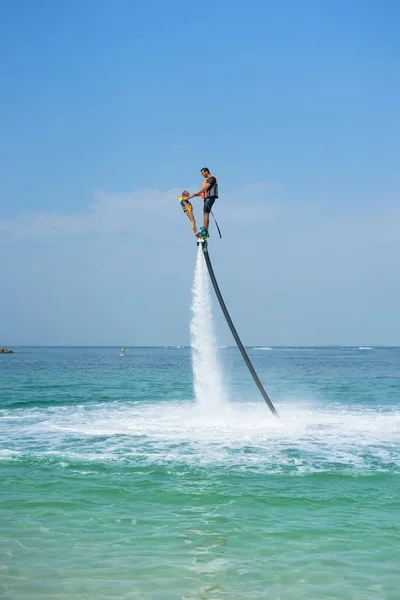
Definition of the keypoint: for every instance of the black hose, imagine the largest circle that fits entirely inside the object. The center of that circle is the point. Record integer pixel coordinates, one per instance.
(215, 220)
(234, 332)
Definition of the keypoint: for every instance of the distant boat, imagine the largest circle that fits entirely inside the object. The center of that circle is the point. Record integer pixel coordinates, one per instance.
(122, 353)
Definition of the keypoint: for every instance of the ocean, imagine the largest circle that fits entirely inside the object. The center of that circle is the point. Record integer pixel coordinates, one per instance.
(118, 483)
(162, 474)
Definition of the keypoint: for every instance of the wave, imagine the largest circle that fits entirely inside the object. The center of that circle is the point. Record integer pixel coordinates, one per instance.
(261, 348)
(173, 347)
(306, 439)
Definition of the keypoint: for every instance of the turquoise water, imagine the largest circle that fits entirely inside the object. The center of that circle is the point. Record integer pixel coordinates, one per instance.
(116, 484)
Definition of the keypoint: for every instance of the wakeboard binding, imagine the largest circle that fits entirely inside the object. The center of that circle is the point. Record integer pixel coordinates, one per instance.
(202, 233)
(202, 236)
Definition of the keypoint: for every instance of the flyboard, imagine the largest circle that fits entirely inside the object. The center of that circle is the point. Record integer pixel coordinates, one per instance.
(204, 245)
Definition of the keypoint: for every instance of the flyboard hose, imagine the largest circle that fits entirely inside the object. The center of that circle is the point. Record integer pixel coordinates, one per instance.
(215, 221)
(234, 332)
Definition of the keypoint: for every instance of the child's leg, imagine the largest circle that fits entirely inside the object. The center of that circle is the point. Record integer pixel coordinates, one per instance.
(192, 221)
(189, 212)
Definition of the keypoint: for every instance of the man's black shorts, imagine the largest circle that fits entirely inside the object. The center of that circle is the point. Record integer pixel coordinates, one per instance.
(208, 204)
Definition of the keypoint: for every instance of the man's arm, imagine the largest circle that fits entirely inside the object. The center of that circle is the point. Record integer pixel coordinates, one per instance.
(204, 189)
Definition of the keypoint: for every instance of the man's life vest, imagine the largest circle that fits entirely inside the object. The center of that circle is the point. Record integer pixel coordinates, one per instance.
(212, 192)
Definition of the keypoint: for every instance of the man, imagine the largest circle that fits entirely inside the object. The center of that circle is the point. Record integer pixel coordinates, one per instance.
(209, 193)
(188, 209)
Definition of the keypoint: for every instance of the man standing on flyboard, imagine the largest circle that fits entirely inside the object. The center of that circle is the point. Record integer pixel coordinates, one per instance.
(209, 193)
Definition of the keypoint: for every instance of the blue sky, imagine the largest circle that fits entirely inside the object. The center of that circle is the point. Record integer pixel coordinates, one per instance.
(109, 109)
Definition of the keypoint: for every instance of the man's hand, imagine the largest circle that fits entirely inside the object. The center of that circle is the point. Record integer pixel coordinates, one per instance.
(204, 189)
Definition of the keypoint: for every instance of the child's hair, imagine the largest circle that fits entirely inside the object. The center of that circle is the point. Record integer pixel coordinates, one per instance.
(185, 194)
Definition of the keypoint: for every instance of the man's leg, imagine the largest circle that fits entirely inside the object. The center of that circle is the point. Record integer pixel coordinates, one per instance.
(208, 203)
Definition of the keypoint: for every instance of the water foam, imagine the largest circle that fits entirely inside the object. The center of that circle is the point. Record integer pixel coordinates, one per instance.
(207, 376)
(310, 439)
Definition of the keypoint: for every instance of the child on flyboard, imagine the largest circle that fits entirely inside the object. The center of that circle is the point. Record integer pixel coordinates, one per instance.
(188, 210)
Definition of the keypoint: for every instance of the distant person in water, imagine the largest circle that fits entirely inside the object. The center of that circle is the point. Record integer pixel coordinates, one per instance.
(188, 209)
(209, 193)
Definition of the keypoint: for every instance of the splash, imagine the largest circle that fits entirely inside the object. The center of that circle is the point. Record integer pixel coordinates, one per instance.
(208, 386)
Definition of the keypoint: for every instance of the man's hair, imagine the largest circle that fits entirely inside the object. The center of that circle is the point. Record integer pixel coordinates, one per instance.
(204, 169)
(185, 193)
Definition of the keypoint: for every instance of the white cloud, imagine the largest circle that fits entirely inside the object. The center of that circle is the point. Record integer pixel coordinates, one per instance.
(148, 209)
(291, 273)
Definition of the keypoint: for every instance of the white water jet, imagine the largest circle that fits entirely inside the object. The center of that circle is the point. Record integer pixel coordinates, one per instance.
(208, 386)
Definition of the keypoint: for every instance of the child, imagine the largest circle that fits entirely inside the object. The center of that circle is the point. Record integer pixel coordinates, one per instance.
(188, 209)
